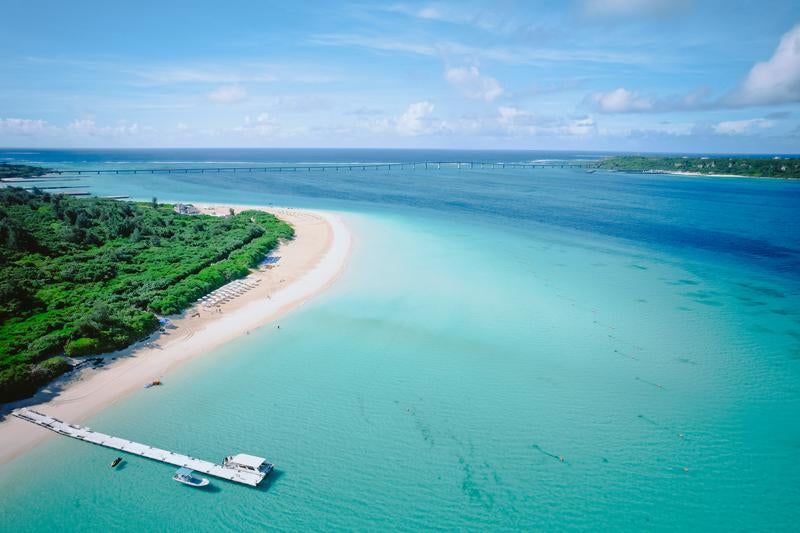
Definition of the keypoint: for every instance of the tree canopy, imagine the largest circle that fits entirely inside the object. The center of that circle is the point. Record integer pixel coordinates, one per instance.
(86, 276)
(741, 166)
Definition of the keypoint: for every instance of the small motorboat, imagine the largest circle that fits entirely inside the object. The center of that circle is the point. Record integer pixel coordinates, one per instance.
(115, 462)
(152, 383)
(186, 476)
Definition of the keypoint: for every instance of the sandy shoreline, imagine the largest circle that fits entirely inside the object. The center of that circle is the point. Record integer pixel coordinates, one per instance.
(308, 265)
(704, 175)
(690, 173)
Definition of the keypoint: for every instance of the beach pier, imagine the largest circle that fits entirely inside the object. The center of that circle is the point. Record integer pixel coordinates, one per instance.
(142, 450)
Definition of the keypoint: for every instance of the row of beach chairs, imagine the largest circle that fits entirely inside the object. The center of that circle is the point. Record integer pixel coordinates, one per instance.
(228, 292)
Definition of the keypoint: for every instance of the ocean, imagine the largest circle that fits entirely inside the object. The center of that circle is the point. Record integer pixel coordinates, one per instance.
(507, 349)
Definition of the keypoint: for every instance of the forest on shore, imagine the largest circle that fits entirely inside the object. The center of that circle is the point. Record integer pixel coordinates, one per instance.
(757, 167)
(83, 276)
(8, 170)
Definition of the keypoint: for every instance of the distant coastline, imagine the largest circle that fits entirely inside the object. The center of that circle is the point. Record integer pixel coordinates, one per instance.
(9, 171)
(728, 167)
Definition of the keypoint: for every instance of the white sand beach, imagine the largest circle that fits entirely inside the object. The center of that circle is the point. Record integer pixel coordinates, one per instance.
(701, 174)
(308, 264)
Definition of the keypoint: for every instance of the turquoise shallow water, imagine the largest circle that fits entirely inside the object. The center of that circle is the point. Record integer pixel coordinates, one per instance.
(464, 351)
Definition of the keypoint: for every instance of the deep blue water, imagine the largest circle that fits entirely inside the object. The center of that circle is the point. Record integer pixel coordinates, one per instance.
(747, 220)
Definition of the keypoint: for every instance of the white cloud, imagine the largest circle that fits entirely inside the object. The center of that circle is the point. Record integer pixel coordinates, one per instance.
(300, 103)
(514, 55)
(580, 127)
(516, 122)
(261, 124)
(508, 114)
(264, 125)
(24, 127)
(619, 100)
(620, 9)
(426, 13)
(228, 94)
(229, 73)
(78, 128)
(416, 120)
(739, 127)
(499, 18)
(374, 43)
(88, 127)
(474, 84)
(429, 13)
(772, 82)
(622, 100)
(775, 81)
(188, 74)
(83, 125)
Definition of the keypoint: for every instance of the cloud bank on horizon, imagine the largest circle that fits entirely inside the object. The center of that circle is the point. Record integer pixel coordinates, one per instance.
(639, 75)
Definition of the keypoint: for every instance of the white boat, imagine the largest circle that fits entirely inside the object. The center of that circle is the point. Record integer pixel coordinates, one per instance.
(248, 463)
(187, 477)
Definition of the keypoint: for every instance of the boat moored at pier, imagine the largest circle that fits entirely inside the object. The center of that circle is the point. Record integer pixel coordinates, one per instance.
(248, 463)
(241, 468)
(187, 477)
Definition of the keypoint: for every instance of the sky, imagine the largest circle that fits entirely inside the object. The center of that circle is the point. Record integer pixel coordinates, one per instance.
(617, 75)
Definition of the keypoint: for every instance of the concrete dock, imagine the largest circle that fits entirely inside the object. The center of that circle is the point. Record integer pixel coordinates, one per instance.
(135, 448)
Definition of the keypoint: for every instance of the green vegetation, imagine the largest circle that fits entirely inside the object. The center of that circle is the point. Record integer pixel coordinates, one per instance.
(85, 276)
(21, 171)
(742, 166)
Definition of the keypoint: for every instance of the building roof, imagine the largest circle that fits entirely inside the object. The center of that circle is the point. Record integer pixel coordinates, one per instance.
(248, 460)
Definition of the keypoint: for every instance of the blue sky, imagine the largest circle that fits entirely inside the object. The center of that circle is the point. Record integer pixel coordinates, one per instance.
(641, 75)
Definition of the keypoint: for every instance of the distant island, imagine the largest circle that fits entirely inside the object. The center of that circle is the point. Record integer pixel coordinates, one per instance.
(788, 168)
(86, 276)
(7, 170)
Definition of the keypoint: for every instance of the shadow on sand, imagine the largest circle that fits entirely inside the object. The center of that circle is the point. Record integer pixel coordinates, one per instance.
(95, 363)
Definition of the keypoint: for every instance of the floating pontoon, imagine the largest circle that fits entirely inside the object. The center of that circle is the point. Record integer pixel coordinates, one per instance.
(241, 468)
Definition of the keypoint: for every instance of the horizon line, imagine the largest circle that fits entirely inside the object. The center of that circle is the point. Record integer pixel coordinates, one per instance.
(499, 150)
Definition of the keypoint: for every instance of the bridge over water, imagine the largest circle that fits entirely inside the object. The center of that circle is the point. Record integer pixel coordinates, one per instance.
(339, 167)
